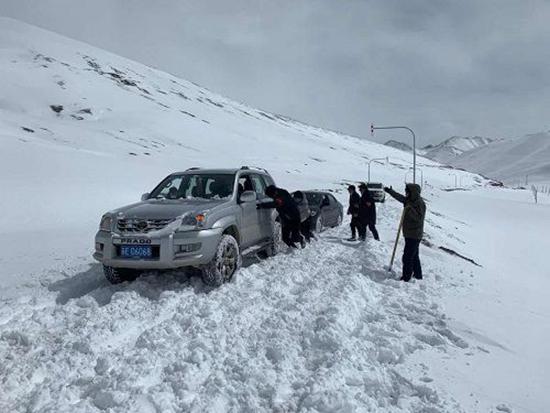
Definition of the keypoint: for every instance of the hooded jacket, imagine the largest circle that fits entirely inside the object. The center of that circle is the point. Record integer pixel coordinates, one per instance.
(367, 208)
(414, 211)
(354, 201)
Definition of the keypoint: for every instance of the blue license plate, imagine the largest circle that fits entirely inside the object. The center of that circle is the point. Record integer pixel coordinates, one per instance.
(136, 251)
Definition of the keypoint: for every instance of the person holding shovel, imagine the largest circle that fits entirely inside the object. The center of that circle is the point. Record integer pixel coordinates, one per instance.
(414, 212)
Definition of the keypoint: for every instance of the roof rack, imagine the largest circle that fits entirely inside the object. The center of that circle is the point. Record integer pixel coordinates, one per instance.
(245, 167)
(194, 168)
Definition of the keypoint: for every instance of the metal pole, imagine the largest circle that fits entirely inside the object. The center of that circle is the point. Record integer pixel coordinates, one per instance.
(414, 143)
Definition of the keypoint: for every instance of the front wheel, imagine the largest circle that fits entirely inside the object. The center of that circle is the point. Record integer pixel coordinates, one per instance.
(225, 263)
(119, 275)
(276, 244)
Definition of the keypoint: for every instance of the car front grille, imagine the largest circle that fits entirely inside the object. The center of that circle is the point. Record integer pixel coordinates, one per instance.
(141, 226)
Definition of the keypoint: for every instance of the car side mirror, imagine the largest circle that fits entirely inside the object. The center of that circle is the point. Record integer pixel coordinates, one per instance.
(145, 196)
(248, 196)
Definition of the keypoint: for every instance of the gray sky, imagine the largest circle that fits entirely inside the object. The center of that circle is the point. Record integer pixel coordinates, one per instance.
(441, 67)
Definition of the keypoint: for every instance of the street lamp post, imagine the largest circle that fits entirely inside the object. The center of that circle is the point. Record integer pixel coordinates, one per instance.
(421, 176)
(373, 128)
(377, 159)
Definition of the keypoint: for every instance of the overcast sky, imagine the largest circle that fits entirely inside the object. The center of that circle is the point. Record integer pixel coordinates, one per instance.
(441, 67)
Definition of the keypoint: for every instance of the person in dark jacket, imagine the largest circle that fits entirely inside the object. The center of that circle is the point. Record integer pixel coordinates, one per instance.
(414, 212)
(289, 214)
(353, 210)
(305, 214)
(367, 214)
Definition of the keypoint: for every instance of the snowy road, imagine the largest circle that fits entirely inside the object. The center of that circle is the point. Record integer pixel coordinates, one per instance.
(322, 329)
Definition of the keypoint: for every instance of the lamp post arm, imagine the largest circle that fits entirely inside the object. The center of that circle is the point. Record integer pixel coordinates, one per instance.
(414, 143)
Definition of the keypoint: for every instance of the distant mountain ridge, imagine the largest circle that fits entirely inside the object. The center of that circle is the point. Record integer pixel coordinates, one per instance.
(398, 145)
(512, 161)
(453, 147)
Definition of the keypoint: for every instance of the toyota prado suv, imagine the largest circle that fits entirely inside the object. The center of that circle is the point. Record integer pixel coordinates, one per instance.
(201, 218)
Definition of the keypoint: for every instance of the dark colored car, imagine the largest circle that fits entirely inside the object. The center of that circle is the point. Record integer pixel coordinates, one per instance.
(326, 211)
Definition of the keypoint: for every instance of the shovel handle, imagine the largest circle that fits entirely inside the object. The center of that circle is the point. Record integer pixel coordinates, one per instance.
(397, 239)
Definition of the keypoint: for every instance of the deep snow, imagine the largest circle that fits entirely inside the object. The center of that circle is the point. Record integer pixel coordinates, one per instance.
(322, 329)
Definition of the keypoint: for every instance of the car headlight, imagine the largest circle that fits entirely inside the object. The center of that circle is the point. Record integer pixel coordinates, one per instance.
(106, 222)
(192, 221)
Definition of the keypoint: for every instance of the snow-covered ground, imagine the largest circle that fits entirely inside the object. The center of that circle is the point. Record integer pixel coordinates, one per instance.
(321, 329)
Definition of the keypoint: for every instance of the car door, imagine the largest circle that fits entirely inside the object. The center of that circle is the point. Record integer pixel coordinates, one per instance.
(265, 229)
(335, 210)
(326, 211)
(249, 213)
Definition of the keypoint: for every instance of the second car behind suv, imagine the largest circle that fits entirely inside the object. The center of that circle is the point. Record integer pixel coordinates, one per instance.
(202, 218)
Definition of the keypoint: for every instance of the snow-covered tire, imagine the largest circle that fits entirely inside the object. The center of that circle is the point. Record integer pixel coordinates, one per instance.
(318, 228)
(225, 263)
(119, 275)
(276, 244)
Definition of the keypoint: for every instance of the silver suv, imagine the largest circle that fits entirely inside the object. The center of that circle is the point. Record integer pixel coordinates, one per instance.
(201, 218)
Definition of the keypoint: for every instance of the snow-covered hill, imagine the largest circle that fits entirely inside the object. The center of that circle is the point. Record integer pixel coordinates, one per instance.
(511, 160)
(453, 147)
(322, 329)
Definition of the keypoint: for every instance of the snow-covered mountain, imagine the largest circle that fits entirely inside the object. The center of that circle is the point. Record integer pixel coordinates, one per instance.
(398, 145)
(512, 160)
(449, 149)
(326, 328)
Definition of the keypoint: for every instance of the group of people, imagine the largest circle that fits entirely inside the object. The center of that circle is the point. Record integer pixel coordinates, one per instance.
(296, 225)
(362, 209)
(363, 215)
(294, 215)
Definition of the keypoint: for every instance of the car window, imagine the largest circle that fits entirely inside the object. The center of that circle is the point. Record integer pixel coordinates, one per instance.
(245, 184)
(332, 200)
(170, 188)
(204, 186)
(259, 185)
(313, 198)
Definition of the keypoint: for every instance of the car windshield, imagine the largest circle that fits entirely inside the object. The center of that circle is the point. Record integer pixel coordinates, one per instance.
(374, 186)
(313, 198)
(195, 186)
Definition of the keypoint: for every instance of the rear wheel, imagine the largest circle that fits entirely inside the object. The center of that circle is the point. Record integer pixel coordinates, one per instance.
(318, 225)
(225, 263)
(119, 275)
